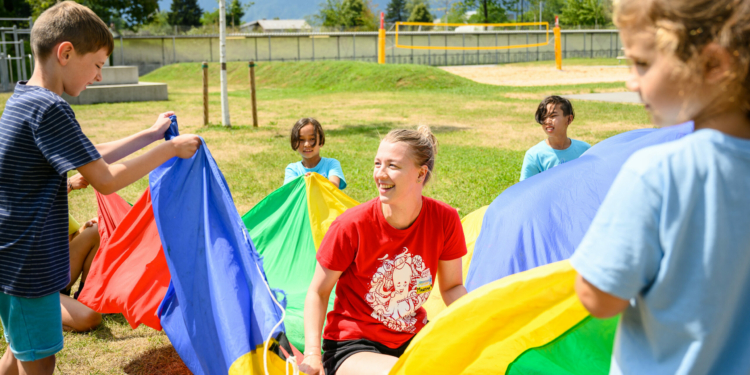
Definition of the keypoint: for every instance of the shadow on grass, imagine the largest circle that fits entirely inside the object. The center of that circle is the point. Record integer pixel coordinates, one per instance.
(379, 130)
(104, 332)
(157, 361)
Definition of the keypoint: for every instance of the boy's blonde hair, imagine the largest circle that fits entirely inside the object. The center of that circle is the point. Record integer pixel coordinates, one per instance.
(685, 27)
(70, 22)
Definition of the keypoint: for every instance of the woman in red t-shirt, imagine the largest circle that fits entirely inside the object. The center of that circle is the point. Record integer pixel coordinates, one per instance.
(385, 255)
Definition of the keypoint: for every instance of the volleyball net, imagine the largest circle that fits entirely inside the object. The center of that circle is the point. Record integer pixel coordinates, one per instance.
(463, 28)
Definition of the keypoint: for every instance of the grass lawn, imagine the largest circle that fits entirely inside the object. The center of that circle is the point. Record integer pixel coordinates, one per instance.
(483, 132)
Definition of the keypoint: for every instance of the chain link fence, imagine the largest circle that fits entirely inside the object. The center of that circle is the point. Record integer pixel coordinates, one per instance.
(152, 52)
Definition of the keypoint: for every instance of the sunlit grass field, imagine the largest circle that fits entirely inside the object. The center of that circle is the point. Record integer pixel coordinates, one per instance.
(483, 133)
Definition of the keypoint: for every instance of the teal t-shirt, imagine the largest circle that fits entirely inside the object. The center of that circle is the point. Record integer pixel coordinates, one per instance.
(542, 157)
(326, 167)
(673, 237)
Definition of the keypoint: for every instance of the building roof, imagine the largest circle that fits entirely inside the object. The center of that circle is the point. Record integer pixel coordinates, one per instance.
(269, 25)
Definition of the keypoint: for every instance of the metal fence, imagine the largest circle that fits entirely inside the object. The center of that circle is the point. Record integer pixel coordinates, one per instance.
(150, 53)
(15, 63)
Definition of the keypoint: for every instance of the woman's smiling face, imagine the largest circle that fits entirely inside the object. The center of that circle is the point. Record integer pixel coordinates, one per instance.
(395, 174)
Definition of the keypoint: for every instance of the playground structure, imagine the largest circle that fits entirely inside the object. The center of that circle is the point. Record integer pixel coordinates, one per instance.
(13, 53)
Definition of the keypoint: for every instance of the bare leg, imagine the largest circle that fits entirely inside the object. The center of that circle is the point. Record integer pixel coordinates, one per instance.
(90, 258)
(8, 364)
(76, 316)
(82, 251)
(44, 366)
(367, 364)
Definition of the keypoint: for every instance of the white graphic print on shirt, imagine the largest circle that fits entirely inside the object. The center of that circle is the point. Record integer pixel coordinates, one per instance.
(398, 288)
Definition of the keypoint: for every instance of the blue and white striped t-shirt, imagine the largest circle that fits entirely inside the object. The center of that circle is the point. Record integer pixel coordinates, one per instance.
(40, 141)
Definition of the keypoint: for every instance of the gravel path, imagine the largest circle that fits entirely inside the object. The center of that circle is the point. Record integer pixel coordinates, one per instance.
(509, 75)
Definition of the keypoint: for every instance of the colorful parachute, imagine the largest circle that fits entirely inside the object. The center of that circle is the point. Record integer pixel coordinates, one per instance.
(527, 323)
(522, 315)
(287, 228)
(218, 311)
(543, 219)
(129, 274)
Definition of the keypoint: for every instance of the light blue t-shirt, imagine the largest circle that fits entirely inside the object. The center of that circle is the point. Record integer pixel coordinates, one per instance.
(673, 237)
(542, 157)
(326, 167)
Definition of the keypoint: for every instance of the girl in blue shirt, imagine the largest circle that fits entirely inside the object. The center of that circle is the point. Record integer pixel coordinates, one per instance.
(307, 139)
(669, 248)
(554, 114)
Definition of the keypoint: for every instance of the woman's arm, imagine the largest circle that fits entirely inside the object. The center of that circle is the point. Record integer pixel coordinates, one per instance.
(451, 280)
(315, 312)
(116, 150)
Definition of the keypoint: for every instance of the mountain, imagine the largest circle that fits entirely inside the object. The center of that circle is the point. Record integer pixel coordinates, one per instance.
(269, 9)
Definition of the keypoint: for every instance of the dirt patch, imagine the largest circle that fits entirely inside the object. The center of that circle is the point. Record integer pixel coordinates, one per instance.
(540, 75)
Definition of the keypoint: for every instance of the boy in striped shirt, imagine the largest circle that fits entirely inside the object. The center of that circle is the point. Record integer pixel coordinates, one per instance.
(40, 141)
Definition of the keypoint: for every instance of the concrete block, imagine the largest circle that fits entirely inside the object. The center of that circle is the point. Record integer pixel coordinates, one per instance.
(118, 75)
(141, 92)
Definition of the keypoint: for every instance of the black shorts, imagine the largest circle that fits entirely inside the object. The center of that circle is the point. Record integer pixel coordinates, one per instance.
(336, 352)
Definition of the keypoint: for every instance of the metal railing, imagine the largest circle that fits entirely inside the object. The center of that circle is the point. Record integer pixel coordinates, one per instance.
(149, 52)
(14, 51)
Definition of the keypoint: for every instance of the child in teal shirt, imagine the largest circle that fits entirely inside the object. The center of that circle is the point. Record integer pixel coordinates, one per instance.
(307, 138)
(555, 114)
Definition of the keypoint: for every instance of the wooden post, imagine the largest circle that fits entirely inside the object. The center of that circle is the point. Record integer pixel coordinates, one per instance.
(251, 65)
(205, 93)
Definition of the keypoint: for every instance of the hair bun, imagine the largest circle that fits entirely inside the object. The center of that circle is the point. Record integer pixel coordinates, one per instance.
(426, 132)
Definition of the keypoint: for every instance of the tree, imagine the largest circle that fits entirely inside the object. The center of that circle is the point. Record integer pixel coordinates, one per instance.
(585, 12)
(495, 11)
(347, 14)
(236, 11)
(550, 8)
(420, 13)
(210, 18)
(126, 12)
(185, 13)
(15, 9)
(396, 11)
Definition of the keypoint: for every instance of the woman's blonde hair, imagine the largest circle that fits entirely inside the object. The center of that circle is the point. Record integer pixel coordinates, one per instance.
(422, 146)
(685, 27)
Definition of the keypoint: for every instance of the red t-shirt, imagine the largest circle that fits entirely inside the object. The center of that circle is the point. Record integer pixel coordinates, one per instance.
(387, 273)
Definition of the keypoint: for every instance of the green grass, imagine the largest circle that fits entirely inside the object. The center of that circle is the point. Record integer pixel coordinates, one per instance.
(483, 132)
(305, 78)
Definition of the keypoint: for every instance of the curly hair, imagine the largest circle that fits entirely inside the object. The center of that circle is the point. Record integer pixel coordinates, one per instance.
(684, 28)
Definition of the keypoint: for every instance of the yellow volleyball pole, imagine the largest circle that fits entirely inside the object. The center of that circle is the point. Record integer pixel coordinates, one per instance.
(558, 45)
(381, 40)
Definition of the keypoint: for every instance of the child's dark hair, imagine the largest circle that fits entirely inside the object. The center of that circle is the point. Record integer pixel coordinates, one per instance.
(564, 105)
(317, 131)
